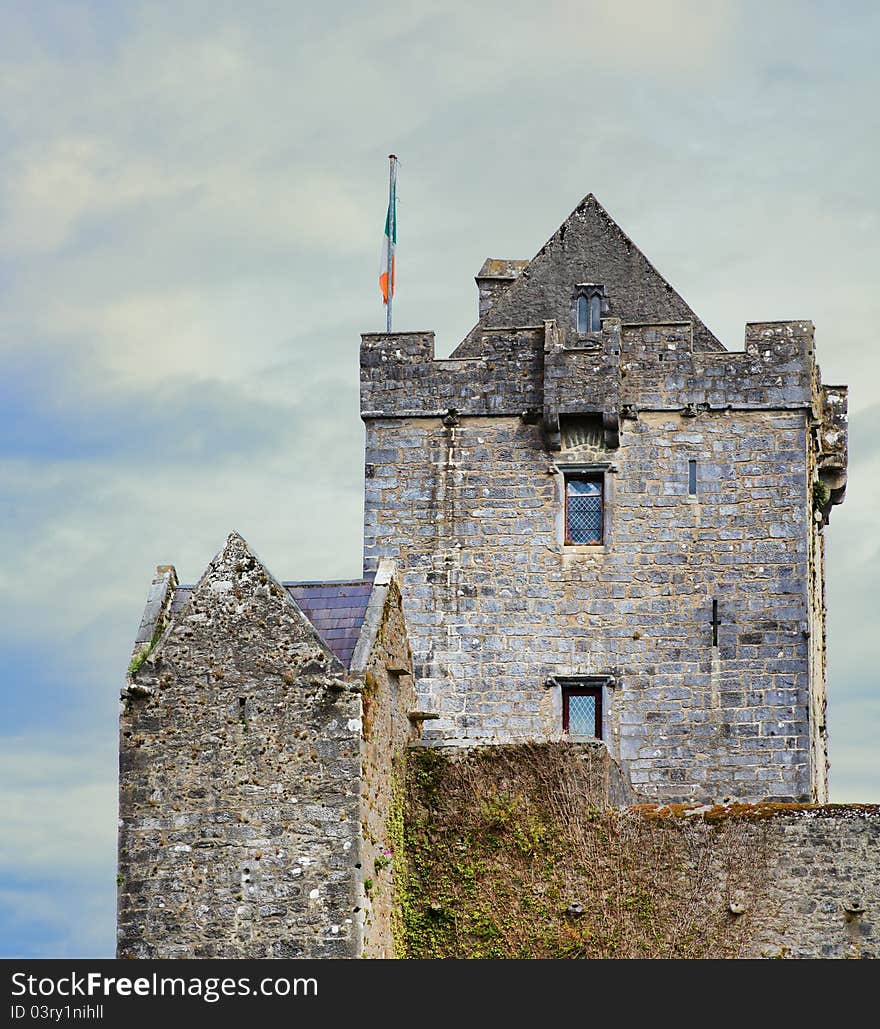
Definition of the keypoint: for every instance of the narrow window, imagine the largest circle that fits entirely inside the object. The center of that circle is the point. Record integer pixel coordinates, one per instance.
(583, 314)
(582, 711)
(595, 314)
(692, 478)
(583, 510)
(714, 622)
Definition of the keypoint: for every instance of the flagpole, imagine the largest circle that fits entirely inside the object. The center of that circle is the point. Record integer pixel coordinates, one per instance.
(392, 227)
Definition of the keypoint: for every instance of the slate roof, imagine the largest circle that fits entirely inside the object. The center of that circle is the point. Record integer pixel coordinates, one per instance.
(335, 609)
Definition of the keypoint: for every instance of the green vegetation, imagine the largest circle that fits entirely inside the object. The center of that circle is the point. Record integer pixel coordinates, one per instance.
(395, 828)
(137, 660)
(142, 655)
(510, 854)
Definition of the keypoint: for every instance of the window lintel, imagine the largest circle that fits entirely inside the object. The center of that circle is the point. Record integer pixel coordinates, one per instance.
(581, 680)
(585, 468)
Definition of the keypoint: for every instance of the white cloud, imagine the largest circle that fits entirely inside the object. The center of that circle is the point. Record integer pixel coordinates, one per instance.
(193, 201)
(57, 796)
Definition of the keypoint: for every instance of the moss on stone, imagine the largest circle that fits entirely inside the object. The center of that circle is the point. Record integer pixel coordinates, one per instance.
(369, 696)
(395, 827)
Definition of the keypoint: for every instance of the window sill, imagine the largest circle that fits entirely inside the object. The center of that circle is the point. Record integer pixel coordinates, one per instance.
(592, 549)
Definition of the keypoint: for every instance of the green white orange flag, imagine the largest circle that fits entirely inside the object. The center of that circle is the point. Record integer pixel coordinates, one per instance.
(389, 245)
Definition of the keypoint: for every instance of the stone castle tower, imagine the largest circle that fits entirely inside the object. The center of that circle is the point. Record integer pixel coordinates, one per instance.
(608, 523)
(592, 522)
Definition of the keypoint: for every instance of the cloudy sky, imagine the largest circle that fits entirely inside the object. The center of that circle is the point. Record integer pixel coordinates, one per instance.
(191, 207)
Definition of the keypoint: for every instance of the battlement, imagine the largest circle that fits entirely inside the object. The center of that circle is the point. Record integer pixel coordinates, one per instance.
(627, 365)
(401, 378)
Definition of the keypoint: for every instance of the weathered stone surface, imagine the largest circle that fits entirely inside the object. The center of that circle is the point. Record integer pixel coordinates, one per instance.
(466, 490)
(388, 697)
(644, 366)
(261, 803)
(156, 611)
(822, 892)
(497, 603)
(589, 247)
(246, 776)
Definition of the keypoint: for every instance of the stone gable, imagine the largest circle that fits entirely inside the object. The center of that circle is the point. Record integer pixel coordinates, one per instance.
(589, 247)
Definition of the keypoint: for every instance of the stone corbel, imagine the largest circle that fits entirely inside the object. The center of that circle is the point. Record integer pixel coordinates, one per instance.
(833, 444)
(552, 431)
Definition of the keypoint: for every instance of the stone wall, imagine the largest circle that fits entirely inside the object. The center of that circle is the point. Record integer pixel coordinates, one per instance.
(514, 853)
(821, 895)
(239, 781)
(644, 366)
(497, 604)
(388, 704)
(465, 464)
(399, 375)
(816, 629)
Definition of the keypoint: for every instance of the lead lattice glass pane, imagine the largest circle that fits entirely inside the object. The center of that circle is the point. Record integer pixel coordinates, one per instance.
(582, 716)
(584, 500)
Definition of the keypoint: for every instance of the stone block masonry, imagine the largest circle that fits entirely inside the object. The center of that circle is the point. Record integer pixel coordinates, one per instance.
(544, 868)
(389, 723)
(498, 605)
(593, 578)
(239, 769)
(821, 898)
(256, 775)
(700, 611)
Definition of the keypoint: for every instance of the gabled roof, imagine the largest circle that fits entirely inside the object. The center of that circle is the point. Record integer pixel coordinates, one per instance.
(237, 605)
(336, 609)
(589, 246)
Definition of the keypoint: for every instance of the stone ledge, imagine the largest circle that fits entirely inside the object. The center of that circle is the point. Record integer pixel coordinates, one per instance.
(755, 811)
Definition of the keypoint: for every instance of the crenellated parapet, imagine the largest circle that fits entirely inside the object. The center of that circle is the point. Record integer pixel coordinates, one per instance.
(662, 371)
(624, 368)
(400, 377)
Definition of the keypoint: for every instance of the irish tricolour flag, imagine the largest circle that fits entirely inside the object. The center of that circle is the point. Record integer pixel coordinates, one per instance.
(389, 244)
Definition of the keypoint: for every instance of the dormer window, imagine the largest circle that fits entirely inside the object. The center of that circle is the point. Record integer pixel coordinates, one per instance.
(589, 306)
